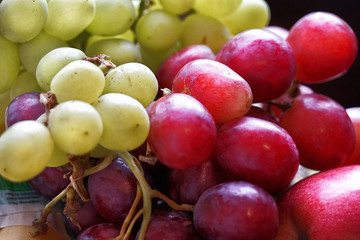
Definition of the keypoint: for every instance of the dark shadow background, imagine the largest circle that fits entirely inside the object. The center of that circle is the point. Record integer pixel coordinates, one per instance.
(284, 13)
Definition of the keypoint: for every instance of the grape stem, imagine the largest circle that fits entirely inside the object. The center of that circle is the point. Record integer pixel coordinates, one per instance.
(147, 194)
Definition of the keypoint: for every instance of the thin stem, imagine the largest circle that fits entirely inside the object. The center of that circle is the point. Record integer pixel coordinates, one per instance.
(100, 166)
(133, 221)
(171, 203)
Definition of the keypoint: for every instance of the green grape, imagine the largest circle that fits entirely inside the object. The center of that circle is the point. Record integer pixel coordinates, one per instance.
(78, 80)
(53, 62)
(177, 7)
(126, 122)
(250, 14)
(4, 102)
(75, 126)
(202, 29)
(25, 82)
(68, 18)
(127, 35)
(158, 30)
(120, 51)
(32, 51)
(9, 63)
(216, 8)
(112, 17)
(133, 79)
(22, 20)
(25, 149)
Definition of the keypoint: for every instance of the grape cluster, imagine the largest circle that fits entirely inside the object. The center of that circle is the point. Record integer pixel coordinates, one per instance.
(169, 119)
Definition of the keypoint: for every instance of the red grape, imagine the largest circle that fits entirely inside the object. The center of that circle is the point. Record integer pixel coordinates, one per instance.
(257, 151)
(324, 45)
(182, 131)
(265, 60)
(354, 114)
(236, 211)
(221, 90)
(321, 129)
(102, 231)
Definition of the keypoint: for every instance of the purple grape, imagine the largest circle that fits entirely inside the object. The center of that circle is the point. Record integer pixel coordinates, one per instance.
(171, 225)
(50, 182)
(26, 106)
(102, 231)
(113, 190)
(236, 211)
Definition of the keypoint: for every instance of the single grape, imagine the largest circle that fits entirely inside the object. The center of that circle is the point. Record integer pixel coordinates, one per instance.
(32, 51)
(182, 131)
(113, 190)
(53, 62)
(249, 14)
(177, 7)
(9, 63)
(321, 129)
(107, 20)
(76, 126)
(158, 30)
(22, 20)
(26, 106)
(168, 69)
(265, 60)
(216, 8)
(50, 182)
(354, 114)
(221, 90)
(259, 112)
(120, 51)
(325, 47)
(202, 29)
(78, 80)
(280, 31)
(171, 225)
(126, 122)
(68, 18)
(245, 145)
(128, 35)
(25, 82)
(236, 210)
(25, 149)
(101, 231)
(133, 79)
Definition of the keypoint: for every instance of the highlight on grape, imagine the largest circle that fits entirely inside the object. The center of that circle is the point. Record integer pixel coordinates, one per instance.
(182, 120)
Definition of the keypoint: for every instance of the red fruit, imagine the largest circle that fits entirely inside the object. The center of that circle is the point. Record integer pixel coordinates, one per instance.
(324, 206)
(324, 45)
(354, 114)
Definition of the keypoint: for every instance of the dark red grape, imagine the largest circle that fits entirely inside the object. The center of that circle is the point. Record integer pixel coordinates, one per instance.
(257, 151)
(236, 211)
(26, 106)
(259, 112)
(265, 60)
(171, 225)
(182, 131)
(221, 90)
(321, 129)
(102, 231)
(113, 190)
(50, 182)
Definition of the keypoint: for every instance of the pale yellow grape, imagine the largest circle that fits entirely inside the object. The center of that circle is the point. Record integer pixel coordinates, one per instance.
(53, 62)
(58, 157)
(202, 29)
(9, 63)
(78, 80)
(126, 122)
(127, 35)
(22, 20)
(68, 18)
(25, 149)
(25, 82)
(216, 8)
(133, 79)
(4, 102)
(112, 17)
(119, 50)
(177, 7)
(75, 126)
(250, 14)
(158, 30)
(32, 51)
